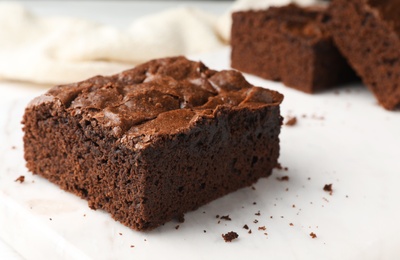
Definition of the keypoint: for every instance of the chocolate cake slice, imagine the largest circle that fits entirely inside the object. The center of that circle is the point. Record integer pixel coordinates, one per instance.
(288, 44)
(367, 32)
(151, 143)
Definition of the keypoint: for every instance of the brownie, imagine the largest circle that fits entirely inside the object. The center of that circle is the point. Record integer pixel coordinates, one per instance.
(156, 141)
(367, 32)
(288, 44)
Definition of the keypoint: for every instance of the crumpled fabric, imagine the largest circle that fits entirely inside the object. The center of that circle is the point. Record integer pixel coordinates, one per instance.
(58, 50)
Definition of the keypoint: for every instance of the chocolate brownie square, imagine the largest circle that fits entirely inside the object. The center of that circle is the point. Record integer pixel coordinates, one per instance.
(288, 44)
(151, 143)
(367, 32)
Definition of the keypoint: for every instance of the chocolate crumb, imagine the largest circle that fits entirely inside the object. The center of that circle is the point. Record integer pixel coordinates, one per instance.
(291, 224)
(287, 189)
(293, 206)
(181, 218)
(21, 179)
(217, 216)
(271, 217)
(283, 178)
(120, 234)
(255, 221)
(205, 231)
(313, 235)
(132, 246)
(226, 218)
(291, 121)
(84, 215)
(328, 188)
(177, 227)
(280, 167)
(347, 196)
(309, 178)
(246, 227)
(254, 203)
(145, 240)
(266, 233)
(253, 188)
(228, 237)
(249, 231)
(262, 228)
(13, 147)
(258, 213)
(204, 212)
(50, 218)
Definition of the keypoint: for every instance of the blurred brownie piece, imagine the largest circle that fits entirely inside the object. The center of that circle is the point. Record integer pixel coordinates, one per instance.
(367, 32)
(288, 44)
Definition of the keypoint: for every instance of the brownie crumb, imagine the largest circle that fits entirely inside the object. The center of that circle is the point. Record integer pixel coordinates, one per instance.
(132, 246)
(226, 218)
(120, 234)
(84, 215)
(253, 188)
(177, 227)
(21, 179)
(328, 188)
(262, 228)
(255, 221)
(217, 216)
(280, 167)
(291, 121)
(181, 218)
(309, 178)
(228, 237)
(271, 217)
(313, 235)
(293, 206)
(219, 221)
(291, 224)
(50, 219)
(13, 147)
(246, 227)
(254, 203)
(258, 213)
(283, 178)
(205, 231)
(249, 231)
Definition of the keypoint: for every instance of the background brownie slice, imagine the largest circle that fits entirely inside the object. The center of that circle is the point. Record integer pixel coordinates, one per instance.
(288, 44)
(154, 142)
(368, 35)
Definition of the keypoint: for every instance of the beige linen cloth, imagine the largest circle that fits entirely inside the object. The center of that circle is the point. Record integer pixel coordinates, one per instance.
(56, 50)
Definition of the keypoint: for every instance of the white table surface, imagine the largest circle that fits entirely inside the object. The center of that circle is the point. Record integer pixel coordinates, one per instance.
(116, 13)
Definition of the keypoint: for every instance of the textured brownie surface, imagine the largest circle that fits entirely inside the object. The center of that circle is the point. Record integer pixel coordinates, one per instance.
(367, 32)
(154, 142)
(288, 44)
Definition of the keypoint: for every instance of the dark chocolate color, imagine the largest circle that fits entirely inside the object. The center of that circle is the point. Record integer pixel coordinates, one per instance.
(367, 32)
(151, 143)
(288, 44)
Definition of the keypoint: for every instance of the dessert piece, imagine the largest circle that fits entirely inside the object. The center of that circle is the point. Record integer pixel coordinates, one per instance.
(151, 143)
(367, 32)
(288, 44)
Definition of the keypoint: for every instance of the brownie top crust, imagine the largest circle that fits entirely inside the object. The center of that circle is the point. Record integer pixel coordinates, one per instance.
(158, 97)
(387, 10)
(291, 20)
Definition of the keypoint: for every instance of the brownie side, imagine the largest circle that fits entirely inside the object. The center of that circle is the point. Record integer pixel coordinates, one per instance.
(152, 143)
(368, 35)
(288, 44)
